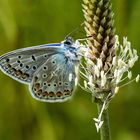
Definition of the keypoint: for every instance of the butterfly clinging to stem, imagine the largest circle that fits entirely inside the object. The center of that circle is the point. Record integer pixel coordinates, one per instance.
(50, 70)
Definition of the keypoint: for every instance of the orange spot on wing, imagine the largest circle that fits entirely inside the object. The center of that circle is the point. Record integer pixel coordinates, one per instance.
(18, 73)
(39, 92)
(25, 75)
(67, 92)
(51, 94)
(45, 94)
(59, 94)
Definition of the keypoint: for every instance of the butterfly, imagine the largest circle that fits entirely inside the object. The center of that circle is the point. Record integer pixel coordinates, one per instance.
(50, 70)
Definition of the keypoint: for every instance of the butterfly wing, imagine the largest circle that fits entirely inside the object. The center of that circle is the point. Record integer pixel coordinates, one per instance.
(54, 81)
(21, 64)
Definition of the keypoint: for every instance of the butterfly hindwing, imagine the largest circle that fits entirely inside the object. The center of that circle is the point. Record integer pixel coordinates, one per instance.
(54, 81)
(21, 64)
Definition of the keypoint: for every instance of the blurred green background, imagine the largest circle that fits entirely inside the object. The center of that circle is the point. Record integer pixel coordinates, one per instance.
(26, 23)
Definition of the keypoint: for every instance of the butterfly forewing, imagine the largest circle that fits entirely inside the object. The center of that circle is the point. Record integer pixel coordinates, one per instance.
(21, 64)
(54, 81)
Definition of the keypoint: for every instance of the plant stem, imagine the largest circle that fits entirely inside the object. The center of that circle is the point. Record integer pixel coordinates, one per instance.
(105, 129)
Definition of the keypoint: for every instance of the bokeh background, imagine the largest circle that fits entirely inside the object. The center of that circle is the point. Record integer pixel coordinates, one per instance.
(26, 23)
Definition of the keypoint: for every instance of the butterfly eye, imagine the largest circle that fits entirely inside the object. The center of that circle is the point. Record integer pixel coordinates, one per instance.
(68, 43)
(68, 40)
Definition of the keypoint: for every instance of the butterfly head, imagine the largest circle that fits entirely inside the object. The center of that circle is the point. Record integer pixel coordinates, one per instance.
(68, 41)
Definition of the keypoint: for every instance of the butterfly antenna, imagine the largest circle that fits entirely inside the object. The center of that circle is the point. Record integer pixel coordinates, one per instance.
(85, 38)
(75, 30)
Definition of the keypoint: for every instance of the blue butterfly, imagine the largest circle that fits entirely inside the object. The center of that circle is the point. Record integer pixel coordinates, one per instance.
(50, 70)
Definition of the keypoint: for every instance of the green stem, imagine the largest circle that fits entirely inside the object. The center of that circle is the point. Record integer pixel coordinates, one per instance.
(105, 129)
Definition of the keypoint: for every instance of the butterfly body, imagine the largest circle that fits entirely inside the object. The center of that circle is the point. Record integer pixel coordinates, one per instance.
(50, 69)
